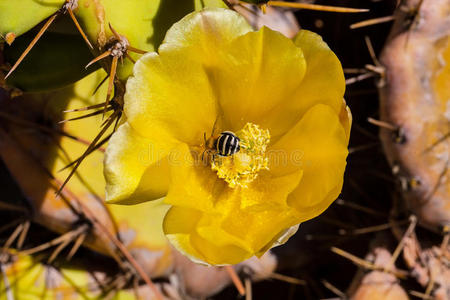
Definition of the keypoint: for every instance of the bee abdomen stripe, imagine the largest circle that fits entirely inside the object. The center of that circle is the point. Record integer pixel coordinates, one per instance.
(227, 144)
(221, 142)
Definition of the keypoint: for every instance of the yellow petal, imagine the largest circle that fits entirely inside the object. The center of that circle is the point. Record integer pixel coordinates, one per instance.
(178, 224)
(170, 93)
(212, 67)
(136, 168)
(181, 220)
(200, 35)
(222, 217)
(257, 72)
(180, 228)
(323, 82)
(192, 184)
(318, 145)
(346, 119)
(279, 239)
(219, 255)
(265, 199)
(172, 90)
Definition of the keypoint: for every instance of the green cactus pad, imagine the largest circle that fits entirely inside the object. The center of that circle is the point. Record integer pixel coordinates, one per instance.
(19, 16)
(56, 60)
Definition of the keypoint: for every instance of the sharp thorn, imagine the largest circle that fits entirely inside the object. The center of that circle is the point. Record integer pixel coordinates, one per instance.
(99, 85)
(132, 49)
(92, 145)
(112, 76)
(78, 242)
(235, 279)
(371, 51)
(84, 108)
(58, 249)
(97, 147)
(118, 37)
(101, 56)
(85, 116)
(382, 124)
(74, 19)
(130, 58)
(316, 7)
(32, 43)
(23, 234)
(288, 279)
(371, 22)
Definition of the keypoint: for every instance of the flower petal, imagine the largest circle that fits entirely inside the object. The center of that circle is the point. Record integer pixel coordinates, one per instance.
(200, 35)
(222, 217)
(257, 72)
(178, 224)
(244, 68)
(135, 168)
(193, 184)
(170, 93)
(264, 200)
(222, 254)
(323, 82)
(180, 228)
(318, 145)
(213, 68)
(346, 119)
(172, 90)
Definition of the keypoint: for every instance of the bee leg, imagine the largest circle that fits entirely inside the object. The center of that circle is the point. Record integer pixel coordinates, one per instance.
(214, 158)
(208, 152)
(203, 156)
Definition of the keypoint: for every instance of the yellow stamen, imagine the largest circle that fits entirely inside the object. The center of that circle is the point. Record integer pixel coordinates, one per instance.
(242, 168)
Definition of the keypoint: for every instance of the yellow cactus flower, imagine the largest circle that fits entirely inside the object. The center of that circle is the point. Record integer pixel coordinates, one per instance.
(282, 99)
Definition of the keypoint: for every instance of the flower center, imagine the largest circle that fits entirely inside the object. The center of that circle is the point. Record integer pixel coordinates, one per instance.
(242, 168)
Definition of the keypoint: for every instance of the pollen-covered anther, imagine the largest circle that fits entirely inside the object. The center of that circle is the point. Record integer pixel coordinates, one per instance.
(242, 168)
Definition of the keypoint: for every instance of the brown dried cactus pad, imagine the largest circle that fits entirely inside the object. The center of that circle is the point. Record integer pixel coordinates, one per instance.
(415, 99)
(378, 284)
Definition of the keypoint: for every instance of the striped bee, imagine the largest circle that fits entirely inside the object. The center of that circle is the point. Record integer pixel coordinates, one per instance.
(227, 144)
